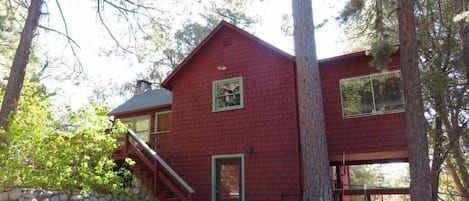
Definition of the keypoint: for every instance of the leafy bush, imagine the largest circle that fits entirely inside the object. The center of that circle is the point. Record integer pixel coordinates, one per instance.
(73, 153)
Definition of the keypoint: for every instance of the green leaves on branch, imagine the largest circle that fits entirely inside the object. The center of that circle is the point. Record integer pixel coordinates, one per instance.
(381, 51)
(373, 24)
(42, 152)
(351, 10)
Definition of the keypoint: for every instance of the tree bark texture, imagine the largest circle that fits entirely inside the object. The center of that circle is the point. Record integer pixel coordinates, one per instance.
(21, 60)
(438, 156)
(438, 135)
(463, 6)
(458, 168)
(317, 180)
(420, 180)
(457, 181)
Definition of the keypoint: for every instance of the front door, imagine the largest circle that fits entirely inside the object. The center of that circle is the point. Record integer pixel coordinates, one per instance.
(228, 175)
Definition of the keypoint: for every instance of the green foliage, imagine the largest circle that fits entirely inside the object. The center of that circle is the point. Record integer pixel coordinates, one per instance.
(353, 93)
(371, 24)
(71, 154)
(187, 38)
(192, 33)
(232, 11)
(377, 176)
(445, 92)
(442, 72)
(9, 38)
(168, 49)
(381, 51)
(351, 10)
(361, 175)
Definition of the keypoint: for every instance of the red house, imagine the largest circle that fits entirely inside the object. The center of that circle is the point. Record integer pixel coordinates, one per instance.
(224, 124)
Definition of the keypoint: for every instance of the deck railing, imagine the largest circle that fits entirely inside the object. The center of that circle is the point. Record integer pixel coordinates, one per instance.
(162, 171)
(368, 192)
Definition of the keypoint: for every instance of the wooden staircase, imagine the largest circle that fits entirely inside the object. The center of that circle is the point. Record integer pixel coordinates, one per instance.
(154, 172)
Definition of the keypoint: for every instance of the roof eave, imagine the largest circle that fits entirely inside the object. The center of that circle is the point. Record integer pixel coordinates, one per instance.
(155, 107)
(343, 57)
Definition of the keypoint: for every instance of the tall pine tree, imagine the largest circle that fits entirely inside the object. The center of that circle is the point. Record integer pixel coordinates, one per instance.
(420, 182)
(18, 69)
(317, 183)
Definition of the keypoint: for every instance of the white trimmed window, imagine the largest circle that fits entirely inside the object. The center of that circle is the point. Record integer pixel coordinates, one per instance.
(372, 94)
(140, 125)
(227, 94)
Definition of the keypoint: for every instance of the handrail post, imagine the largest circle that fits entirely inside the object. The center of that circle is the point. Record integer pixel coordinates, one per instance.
(155, 177)
(126, 144)
(365, 194)
(160, 161)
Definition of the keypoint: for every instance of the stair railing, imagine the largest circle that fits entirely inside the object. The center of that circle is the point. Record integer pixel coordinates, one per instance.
(159, 160)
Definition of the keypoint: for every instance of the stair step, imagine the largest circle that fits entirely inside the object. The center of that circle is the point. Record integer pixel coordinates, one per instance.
(146, 175)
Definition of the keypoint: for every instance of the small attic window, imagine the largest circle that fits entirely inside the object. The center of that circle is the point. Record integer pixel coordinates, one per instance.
(227, 42)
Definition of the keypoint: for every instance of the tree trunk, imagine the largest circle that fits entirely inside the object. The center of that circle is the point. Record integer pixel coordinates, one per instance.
(463, 6)
(420, 180)
(437, 155)
(18, 69)
(458, 168)
(462, 170)
(317, 180)
(438, 136)
(464, 194)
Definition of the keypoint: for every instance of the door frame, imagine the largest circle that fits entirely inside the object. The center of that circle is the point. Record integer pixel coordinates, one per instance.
(214, 172)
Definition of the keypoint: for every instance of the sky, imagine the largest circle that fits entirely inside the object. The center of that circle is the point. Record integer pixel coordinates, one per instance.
(106, 72)
(327, 37)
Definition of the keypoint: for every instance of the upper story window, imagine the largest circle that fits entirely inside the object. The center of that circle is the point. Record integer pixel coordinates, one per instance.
(141, 126)
(163, 122)
(372, 94)
(227, 94)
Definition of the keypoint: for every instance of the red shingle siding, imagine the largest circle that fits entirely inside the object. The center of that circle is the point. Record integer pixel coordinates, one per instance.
(268, 121)
(379, 133)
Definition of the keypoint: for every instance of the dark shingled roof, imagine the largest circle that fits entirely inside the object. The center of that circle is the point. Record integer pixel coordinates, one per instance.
(149, 98)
